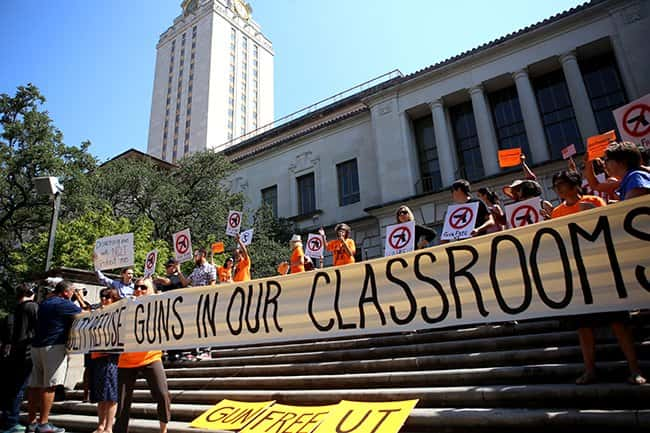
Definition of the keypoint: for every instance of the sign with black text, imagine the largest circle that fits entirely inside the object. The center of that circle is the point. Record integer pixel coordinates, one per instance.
(113, 252)
(182, 246)
(233, 225)
(459, 221)
(523, 213)
(400, 238)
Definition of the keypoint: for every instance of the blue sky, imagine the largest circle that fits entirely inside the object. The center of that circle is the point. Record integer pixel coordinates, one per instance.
(93, 60)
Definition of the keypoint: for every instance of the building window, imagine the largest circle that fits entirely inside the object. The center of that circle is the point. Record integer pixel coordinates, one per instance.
(467, 145)
(306, 194)
(555, 107)
(605, 89)
(270, 198)
(425, 140)
(348, 182)
(508, 121)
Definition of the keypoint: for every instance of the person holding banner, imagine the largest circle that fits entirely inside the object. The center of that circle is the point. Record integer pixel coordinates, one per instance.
(124, 285)
(103, 389)
(567, 185)
(623, 161)
(148, 364)
(423, 234)
(343, 248)
(173, 279)
(242, 262)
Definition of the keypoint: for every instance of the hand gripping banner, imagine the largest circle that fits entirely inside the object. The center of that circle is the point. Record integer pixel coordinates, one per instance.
(590, 262)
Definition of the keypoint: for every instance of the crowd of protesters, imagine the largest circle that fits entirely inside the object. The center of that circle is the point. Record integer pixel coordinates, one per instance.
(36, 349)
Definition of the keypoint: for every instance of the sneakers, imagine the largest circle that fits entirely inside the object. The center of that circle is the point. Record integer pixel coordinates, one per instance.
(31, 428)
(16, 429)
(48, 428)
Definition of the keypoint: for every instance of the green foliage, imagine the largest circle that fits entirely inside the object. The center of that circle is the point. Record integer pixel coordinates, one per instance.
(270, 243)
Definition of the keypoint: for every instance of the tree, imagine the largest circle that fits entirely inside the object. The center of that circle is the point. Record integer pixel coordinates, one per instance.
(30, 146)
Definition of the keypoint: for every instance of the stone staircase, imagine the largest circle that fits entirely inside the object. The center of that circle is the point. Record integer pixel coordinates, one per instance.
(493, 378)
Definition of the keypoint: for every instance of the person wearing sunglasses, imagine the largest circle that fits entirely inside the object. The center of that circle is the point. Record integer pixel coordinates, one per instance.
(146, 364)
(423, 234)
(103, 376)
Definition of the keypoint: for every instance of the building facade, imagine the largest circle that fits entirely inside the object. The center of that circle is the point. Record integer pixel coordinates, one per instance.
(213, 79)
(405, 140)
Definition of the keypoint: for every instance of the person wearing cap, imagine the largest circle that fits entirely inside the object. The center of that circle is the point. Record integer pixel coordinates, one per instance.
(225, 272)
(204, 274)
(173, 279)
(49, 356)
(520, 190)
(297, 255)
(242, 262)
(343, 248)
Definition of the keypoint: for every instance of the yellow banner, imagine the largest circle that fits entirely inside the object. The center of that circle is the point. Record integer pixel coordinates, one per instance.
(367, 417)
(590, 262)
(281, 418)
(230, 415)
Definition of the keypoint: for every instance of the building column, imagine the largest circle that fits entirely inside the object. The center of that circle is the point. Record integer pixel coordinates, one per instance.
(411, 149)
(624, 68)
(579, 96)
(444, 145)
(532, 119)
(487, 137)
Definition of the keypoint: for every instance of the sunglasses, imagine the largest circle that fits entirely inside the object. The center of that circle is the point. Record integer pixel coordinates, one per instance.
(140, 287)
(402, 212)
(105, 296)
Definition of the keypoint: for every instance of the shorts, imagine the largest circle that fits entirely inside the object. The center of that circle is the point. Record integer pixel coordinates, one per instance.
(50, 366)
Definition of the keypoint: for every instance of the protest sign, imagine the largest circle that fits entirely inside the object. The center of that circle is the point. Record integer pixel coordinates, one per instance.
(633, 121)
(569, 151)
(182, 245)
(217, 247)
(510, 157)
(301, 418)
(230, 415)
(233, 224)
(314, 246)
(114, 252)
(246, 237)
(400, 238)
(150, 263)
(590, 262)
(459, 221)
(597, 144)
(367, 417)
(524, 212)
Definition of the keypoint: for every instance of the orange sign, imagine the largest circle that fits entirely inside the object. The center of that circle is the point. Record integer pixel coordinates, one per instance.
(597, 144)
(510, 157)
(217, 247)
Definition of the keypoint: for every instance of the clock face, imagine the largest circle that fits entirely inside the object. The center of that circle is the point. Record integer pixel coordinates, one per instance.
(242, 9)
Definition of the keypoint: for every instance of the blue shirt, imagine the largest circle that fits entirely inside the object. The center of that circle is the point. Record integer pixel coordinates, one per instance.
(123, 290)
(55, 317)
(633, 179)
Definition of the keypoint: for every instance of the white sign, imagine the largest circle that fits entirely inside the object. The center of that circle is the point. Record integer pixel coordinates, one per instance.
(524, 212)
(114, 252)
(400, 238)
(183, 246)
(633, 121)
(150, 263)
(459, 221)
(569, 151)
(314, 246)
(234, 223)
(246, 237)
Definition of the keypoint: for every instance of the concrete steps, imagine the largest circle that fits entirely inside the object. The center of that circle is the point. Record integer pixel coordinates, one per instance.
(496, 378)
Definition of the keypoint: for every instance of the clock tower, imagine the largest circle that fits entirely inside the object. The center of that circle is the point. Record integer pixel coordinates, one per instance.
(213, 83)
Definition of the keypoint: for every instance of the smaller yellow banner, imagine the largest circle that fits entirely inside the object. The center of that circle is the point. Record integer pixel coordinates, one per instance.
(230, 415)
(281, 418)
(366, 417)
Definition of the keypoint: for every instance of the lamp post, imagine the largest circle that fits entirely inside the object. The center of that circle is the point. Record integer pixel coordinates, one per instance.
(49, 185)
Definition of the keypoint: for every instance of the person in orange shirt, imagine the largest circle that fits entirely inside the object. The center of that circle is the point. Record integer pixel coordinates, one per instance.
(343, 248)
(567, 185)
(224, 273)
(297, 255)
(149, 364)
(242, 262)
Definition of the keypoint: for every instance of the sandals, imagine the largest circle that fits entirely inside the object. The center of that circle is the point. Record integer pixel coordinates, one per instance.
(636, 379)
(586, 378)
